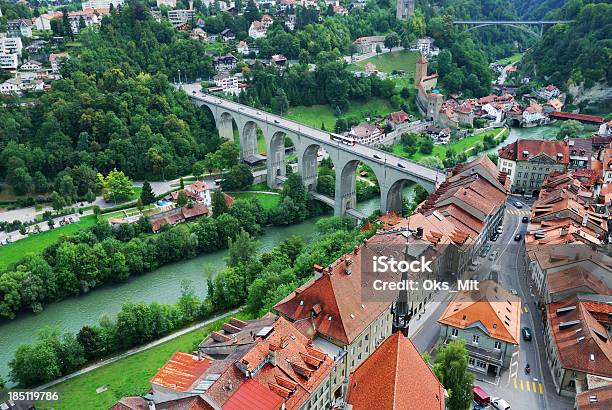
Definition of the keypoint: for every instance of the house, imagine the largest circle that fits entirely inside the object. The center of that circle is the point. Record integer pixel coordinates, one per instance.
(267, 21)
(339, 10)
(290, 22)
(224, 63)
(370, 68)
(548, 92)
(366, 134)
(19, 28)
(257, 30)
(31, 65)
(495, 112)
(383, 377)
(426, 47)
(396, 119)
(9, 61)
(577, 341)
(178, 215)
(145, 403)
(101, 4)
(228, 35)
(228, 83)
(554, 104)
(489, 321)
(11, 45)
(534, 115)
(88, 16)
(10, 86)
(242, 47)
(595, 398)
(605, 129)
(527, 162)
(279, 59)
(581, 152)
(198, 34)
(56, 60)
(368, 44)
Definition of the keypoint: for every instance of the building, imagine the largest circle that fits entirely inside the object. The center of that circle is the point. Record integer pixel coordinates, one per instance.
(581, 152)
(198, 34)
(9, 61)
(578, 342)
(88, 16)
(31, 65)
(56, 60)
(257, 30)
(19, 28)
(396, 119)
(384, 376)
(11, 45)
(595, 398)
(426, 47)
(548, 92)
(101, 4)
(404, 9)
(177, 17)
(428, 100)
(227, 35)
(225, 63)
(176, 216)
(279, 60)
(368, 44)
(534, 116)
(489, 321)
(527, 162)
(366, 134)
(166, 3)
(242, 47)
(228, 83)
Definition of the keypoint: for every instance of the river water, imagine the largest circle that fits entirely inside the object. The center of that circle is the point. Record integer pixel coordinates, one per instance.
(163, 284)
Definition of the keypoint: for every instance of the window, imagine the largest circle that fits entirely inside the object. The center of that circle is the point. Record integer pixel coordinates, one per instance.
(475, 339)
(455, 332)
(471, 362)
(509, 171)
(519, 174)
(498, 345)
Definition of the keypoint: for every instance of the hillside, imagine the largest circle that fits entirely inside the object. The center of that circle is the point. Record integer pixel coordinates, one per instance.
(536, 9)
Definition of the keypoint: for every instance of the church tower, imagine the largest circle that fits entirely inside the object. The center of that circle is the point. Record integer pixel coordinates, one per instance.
(404, 9)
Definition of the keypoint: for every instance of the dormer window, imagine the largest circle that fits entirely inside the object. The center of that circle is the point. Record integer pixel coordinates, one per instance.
(525, 154)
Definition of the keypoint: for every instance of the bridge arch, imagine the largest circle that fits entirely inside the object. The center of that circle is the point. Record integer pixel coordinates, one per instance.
(523, 28)
(308, 166)
(276, 148)
(225, 125)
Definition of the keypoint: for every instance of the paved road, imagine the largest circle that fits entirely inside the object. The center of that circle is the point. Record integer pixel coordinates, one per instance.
(360, 57)
(358, 151)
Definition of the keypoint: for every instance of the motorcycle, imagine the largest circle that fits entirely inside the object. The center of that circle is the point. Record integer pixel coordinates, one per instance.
(527, 369)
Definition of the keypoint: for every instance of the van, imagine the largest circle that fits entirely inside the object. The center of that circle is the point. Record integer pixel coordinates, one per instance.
(500, 404)
(481, 397)
(218, 182)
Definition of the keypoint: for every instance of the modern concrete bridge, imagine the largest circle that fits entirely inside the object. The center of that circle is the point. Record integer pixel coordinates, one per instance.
(392, 172)
(520, 24)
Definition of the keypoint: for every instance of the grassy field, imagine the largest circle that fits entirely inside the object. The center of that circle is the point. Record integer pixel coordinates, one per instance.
(324, 114)
(509, 60)
(268, 201)
(129, 376)
(440, 150)
(398, 60)
(35, 243)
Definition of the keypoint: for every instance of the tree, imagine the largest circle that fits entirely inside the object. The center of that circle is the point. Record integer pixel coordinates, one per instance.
(378, 49)
(182, 183)
(90, 196)
(34, 364)
(67, 28)
(242, 249)
(228, 154)
(58, 202)
(392, 40)
(570, 129)
(20, 180)
(139, 204)
(426, 145)
(181, 199)
(89, 338)
(218, 203)
(450, 367)
(146, 195)
(117, 186)
(280, 103)
(238, 178)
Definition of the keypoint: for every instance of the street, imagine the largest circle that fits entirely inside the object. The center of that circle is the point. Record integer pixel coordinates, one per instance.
(521, 390)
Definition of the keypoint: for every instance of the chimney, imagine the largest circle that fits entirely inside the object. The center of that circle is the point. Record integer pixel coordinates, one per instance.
(347, 266)
(318, 271)
(419, 232)
(272, 355)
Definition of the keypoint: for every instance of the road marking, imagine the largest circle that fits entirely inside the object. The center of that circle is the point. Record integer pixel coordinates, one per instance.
(515, 383)
(528, 388)
(526, 310)
(522, 385)
(534, 387)
(541, 389)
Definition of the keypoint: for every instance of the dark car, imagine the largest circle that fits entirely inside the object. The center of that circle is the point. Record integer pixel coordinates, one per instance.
(525, 219)
(399, 164)
(494, 237)
(518, 237)
(526, 333)
(377, 156)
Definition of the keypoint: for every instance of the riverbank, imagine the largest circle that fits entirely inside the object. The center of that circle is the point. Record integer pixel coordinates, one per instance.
(103, 384)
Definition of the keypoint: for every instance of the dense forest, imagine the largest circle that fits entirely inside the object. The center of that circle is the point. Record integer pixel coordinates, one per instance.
(577, 52)
(536, 9)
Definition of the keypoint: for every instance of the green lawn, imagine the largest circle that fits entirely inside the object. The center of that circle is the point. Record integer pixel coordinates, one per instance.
(324, 114)
(35, 243)
(124, 212)
(268, 201)
(398, 60)
(509, 60)
(129, 376)
(440, 150)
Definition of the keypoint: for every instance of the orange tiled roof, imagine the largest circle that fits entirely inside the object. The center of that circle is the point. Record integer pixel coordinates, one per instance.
(491, 306)
(595, 399)
(514, 151)
(395, 377)
(573, 278)
(181, 371)
(577, 336)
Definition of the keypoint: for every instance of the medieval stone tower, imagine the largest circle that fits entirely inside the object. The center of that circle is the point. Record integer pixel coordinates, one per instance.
(404, 9)
(421, 69)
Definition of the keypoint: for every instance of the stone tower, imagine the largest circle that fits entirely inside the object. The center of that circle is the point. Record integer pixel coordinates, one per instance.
(404, 10)
(421, 69)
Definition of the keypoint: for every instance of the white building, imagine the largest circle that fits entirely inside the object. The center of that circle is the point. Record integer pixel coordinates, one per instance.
(494, 110)
(56, 61)
(366, 134)
(426, 46)
(242, 47)
(9, 61)
(19, 28)
(31, 65)
(548, 92)
(11, 45)
(101, 4)
(229, 83)
(180, 16)
(10, 86)
(257, 30)
(167, 3)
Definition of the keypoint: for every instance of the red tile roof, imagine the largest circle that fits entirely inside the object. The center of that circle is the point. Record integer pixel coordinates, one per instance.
(576, 277)
(595, 399)
(181, 371)
(575, 334)
(253, 395)
(492, 306)
(395, 377)
(398, 117)
(515, 150)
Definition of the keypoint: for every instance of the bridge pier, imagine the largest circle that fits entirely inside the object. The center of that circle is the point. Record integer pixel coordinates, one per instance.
(307, 166)
(346, 194)
(275, 162)
(248, 140)
(225, 126)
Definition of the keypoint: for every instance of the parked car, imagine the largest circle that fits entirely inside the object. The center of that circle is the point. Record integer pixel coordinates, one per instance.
(480, 396)
(525, 219)
(514, 292)
(499, 229)
(499, 403)
(494, 237)
(493, 255)
(518, 237)
(526, 333)
(518, 204)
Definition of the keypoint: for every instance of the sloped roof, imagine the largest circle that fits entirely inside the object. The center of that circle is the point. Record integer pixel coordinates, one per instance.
(181, 371)
(253, 395)
(595, 399)
(492, 306)
(573, 278)
(395, 377)
(514, 151)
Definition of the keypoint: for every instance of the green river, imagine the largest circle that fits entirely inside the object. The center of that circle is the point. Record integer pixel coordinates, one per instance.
(163, 284)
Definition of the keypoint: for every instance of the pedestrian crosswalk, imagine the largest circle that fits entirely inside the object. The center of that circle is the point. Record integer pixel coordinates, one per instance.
(524, 310)
(518, 212)
(528, 386)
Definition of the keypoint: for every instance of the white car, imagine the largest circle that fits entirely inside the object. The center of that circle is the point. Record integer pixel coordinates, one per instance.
(518, 204)
(500, 404)
(499, 230)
